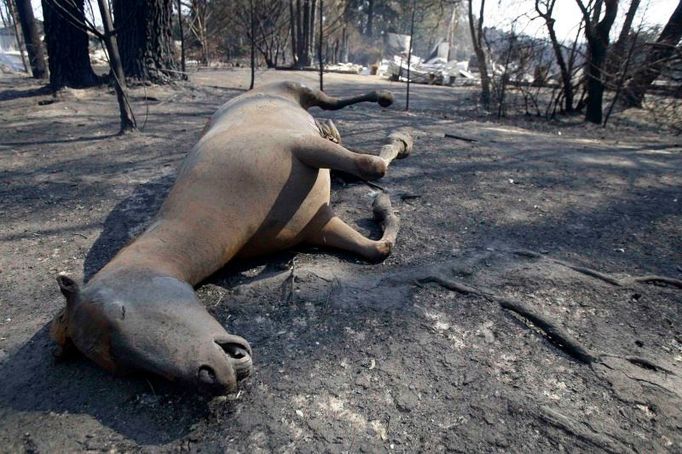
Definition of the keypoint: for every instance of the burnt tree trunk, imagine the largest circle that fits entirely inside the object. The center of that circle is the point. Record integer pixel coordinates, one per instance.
(5, 24)
(67, 45)
(303, 23)
(476, 29)
(663, 49)
(125, 112)
(409, 57)
(566, 80)
(197, 25)
(369, 29)
(620, 43)
(299, 35)
(183, 64)
(597, 44)
(344, 45)
(145, 40)
(34, 47)
(319, 45)
(311, 41)
(618, 50)
(305, 52)
(17, 36)
(252, 37)
(293, 32)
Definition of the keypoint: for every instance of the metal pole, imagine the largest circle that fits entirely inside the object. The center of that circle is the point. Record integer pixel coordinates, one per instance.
(319, 50)
(253, 46)
(183, 65)
(409, 57)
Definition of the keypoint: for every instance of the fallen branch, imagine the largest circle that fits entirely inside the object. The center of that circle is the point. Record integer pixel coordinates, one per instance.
(453, 136)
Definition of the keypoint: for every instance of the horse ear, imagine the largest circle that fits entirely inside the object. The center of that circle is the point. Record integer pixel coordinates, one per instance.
(59, 328)
(59, 332)
(69, 287)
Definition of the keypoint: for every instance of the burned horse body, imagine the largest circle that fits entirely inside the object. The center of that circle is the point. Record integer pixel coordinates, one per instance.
(256, 182)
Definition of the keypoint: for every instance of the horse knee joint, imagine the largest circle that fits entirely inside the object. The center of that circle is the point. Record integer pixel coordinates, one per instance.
(371, 167)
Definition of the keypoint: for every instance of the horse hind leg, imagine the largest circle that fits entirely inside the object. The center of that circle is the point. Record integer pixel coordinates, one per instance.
(333, 232)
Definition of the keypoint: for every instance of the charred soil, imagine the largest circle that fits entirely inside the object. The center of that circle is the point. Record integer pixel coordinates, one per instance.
(510, 316)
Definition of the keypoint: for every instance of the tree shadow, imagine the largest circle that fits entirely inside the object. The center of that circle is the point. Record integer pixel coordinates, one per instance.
(56, 141)
(12, 94)
(125, 222)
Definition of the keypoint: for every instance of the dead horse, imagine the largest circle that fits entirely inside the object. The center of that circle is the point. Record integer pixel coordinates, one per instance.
(256, 182)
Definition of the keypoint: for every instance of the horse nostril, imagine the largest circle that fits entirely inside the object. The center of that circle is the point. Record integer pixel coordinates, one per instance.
(207, 375)
(235, 351)
(240, 358)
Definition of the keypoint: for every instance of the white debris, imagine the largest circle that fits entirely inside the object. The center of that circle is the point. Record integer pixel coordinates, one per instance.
(345, 68)
(10, 62)
(437, 71)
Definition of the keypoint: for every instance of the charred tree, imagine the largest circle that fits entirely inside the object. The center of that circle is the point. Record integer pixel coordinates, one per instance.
(5, 24)
(305, 41)
(17, 35)
(620, 44)
(311, 32)
(183, 65)
(67, 45)
(303, 32)
(319, 46)
(252, 37)
(292, 31)
(476, 28)
(145, 40)
(34, 47)
(566, 79)
(369, 28)
(597, 35)
(125, 112)
(409, 56)
(270, 29)
(618, 50)
(199, 13)
(662, 51)
(298, 51)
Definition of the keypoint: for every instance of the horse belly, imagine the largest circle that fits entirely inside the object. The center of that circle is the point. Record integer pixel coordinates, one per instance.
(296, 206)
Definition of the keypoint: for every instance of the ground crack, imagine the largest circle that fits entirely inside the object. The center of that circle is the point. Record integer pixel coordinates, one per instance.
(556, 335)
(648, 279)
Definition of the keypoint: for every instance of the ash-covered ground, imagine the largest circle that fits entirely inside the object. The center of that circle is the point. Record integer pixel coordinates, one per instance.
(350, 356)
